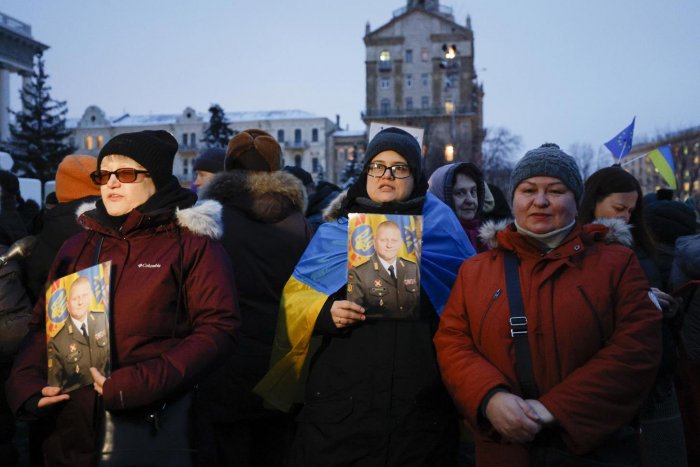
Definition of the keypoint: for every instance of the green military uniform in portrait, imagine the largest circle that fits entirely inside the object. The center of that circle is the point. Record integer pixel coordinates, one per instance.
(71, 354)
(382, 296)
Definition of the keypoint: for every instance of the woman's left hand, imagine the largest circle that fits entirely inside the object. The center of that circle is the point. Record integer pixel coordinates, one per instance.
(98, 378)
(545, 415)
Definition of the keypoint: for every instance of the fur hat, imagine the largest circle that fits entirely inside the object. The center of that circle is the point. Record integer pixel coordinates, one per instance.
(153, 149)
(395, 139)
(210, 160)
(255, 150)
(548, 161)
(73, 178)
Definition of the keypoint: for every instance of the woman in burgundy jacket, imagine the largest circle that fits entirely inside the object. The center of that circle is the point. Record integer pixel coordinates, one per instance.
(160, 245)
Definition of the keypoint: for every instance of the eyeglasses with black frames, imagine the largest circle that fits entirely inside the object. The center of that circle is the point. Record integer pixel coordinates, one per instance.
(125, 175)
(397, 171)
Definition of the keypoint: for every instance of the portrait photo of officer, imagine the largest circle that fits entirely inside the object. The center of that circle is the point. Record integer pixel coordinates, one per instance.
(387, 286)
(82, 342)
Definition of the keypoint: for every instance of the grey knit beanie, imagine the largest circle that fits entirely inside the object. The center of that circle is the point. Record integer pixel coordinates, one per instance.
(548, 161)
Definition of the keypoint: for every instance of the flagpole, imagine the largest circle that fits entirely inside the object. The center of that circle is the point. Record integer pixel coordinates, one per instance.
(622, 151)
(632, 160)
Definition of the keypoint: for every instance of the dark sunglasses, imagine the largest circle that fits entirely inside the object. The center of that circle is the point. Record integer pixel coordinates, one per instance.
(127, 175)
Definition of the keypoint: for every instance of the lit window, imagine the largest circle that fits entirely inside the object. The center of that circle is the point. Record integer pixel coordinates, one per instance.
(384, 56)
(686, 187)
(449, 107)
(100, 141)
(449, 153)
(88, 143)
(424, 54)
(351, 154)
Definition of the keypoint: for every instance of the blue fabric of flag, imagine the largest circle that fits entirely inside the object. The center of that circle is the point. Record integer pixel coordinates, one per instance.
(621, 144)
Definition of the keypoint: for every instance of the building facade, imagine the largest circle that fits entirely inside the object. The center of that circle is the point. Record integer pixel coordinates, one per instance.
(306, 139)
(685, 146)
(17, 51)
(420, 72)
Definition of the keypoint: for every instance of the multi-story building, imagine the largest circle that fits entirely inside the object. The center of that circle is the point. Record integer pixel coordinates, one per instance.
(306, 139)
(685, 146)
(420, 72)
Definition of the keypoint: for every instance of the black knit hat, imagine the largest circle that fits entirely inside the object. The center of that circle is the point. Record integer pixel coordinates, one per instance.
(155, 150)
(210, 160)
(9, 183)
(299, 173)
(395, 139)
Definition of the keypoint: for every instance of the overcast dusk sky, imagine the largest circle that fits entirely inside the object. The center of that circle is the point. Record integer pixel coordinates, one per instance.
(566, 71)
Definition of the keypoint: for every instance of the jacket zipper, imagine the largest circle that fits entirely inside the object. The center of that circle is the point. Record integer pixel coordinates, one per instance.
(495, 296)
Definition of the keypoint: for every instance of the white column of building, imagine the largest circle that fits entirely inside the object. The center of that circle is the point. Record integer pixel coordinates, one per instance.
(4, 104)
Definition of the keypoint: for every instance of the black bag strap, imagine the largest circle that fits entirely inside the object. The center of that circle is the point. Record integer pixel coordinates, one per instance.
(518, 328)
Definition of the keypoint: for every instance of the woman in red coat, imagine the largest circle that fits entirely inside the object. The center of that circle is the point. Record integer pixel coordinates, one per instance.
(160, 245)
(592, 331)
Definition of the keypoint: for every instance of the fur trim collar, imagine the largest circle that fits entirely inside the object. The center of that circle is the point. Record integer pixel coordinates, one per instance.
(204, 218)
(332, 211)
(618, 231)
(229, 185)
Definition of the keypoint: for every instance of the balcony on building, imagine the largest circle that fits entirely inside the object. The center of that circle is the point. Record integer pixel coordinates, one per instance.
(296, 144)
(391, 112)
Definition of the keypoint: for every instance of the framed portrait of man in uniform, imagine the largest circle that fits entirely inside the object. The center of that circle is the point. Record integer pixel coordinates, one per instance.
(384, 264)
(77, 327)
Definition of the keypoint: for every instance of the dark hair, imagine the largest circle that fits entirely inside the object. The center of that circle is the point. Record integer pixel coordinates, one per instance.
(611, 180)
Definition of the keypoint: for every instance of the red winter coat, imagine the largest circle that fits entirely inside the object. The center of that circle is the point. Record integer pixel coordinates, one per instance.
(594, 336)
(148, 363)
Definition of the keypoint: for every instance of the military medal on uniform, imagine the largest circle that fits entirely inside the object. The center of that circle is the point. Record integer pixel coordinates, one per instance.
(77, 327)
(384, 264)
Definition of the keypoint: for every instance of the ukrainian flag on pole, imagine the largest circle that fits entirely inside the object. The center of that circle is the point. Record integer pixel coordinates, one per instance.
(663, 161)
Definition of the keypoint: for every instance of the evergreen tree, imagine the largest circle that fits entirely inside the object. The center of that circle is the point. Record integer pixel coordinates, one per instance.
(217, 133)
(37, 136)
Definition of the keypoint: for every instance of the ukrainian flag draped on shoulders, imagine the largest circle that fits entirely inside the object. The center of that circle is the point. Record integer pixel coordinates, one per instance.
(323, 270)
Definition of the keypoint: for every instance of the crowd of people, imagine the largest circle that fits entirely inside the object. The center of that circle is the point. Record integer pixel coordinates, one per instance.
(553, 322)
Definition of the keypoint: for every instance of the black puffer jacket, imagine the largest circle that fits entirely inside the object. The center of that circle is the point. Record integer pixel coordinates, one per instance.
(59, 224)
(265, 234)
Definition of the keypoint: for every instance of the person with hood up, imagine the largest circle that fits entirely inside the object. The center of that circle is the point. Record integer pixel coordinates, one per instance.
(265, 234)
(461, 186)
(560, 381)
(172, 303)
(371, 389)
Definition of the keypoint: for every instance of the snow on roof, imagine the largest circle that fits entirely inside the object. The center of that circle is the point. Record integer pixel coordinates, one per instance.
(171, 119)
(349, 133)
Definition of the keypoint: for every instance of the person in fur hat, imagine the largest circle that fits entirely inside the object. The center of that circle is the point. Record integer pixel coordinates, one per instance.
(265, 233)
(588, 327)
(173, 304)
